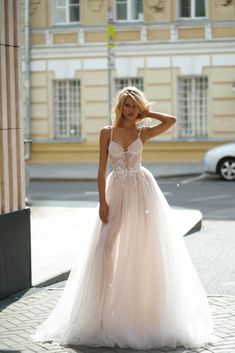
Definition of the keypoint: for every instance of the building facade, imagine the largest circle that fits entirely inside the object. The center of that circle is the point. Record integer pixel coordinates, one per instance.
(180, 52)
(15, 249)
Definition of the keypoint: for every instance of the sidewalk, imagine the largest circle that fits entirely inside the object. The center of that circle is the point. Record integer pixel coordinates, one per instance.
(88, 171)
(20, 316)
(60, 229)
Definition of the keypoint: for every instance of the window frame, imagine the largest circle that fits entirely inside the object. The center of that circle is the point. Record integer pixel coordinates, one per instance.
(192, 14)
(67, 22)
(129, 82)
(69, 138)
(204, 133)
(129, 9)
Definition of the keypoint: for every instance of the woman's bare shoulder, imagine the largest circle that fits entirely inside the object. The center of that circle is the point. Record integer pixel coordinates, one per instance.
(106, 128)
(105, 131)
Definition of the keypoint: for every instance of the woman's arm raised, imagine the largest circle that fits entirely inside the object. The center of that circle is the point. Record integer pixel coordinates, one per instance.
(103, 157)
(166, 122)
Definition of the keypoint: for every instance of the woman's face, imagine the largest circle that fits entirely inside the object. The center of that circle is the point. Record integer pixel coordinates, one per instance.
(129, 110)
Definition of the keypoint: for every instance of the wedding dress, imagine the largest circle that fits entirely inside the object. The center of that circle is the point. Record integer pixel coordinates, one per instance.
(133, 285)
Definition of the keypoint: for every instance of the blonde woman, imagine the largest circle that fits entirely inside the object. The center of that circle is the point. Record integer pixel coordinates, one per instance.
(134, 285)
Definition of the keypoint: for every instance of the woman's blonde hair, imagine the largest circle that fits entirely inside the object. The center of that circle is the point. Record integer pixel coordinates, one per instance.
(139, 99)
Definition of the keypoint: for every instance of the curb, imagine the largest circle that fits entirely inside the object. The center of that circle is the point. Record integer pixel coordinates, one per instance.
(187, 175)
(87, 179)
(55, 279)
(63, 179)
(196, 228)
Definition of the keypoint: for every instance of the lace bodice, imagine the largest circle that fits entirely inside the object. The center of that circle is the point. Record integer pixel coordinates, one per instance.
(126, 164)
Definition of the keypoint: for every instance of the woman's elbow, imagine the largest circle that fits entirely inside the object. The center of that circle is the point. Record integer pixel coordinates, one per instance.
(101, 172)
(173, 120)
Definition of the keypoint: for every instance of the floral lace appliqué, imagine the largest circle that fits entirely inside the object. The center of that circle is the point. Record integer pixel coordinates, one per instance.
(126, 163)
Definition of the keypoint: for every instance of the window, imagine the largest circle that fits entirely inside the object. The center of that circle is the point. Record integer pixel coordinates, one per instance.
(192, 8)
(67, 109)
(123, 82)
(66, 11)
(128, 10)
(192, 106)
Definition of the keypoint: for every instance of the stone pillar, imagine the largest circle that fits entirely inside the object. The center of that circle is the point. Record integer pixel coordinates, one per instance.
(15, 252)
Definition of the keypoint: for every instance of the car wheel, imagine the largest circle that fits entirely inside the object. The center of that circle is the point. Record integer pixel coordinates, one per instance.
(226, 168)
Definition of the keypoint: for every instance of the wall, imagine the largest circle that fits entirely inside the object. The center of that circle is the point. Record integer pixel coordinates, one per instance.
(15, 252)
(159, 49)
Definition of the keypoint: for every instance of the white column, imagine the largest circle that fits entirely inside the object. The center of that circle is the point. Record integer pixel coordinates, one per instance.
(12, 183)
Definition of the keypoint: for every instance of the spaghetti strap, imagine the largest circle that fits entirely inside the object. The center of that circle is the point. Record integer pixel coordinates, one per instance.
(139, 132)
(111, 133)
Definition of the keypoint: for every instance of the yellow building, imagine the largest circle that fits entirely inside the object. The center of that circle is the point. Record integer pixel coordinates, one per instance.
(180, 52)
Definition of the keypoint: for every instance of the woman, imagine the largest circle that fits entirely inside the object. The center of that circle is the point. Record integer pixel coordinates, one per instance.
(134, 284)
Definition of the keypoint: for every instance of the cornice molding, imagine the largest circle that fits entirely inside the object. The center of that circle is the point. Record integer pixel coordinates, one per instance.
(131, 25)
(134, 49)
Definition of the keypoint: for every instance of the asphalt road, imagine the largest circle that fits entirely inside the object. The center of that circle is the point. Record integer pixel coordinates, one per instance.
(213, 197)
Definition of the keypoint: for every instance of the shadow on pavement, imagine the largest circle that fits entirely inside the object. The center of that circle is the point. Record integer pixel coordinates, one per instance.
(14, 298)
(89, 349)
(9, 351)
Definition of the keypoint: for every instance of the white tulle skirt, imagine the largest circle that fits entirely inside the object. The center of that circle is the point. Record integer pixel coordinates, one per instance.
(133, 284)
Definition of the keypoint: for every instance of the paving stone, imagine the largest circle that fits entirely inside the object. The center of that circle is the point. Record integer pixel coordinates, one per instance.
(36, 347)
(4, 347)
(19, 320)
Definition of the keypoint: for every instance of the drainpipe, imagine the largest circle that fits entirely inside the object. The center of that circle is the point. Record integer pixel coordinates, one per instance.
(27, 81)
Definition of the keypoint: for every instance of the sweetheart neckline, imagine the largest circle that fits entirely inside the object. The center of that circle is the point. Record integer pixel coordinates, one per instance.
(126, 150)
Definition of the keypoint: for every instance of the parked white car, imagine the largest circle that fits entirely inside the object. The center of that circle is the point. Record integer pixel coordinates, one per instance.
(221, 160)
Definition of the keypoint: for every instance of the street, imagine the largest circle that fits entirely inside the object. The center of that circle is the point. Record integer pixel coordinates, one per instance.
(215, 198)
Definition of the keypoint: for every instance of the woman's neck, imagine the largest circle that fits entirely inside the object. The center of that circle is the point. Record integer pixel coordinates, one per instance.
(128, 124)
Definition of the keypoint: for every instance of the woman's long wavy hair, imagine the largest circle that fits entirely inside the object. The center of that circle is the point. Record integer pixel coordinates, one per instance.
(139, 99)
